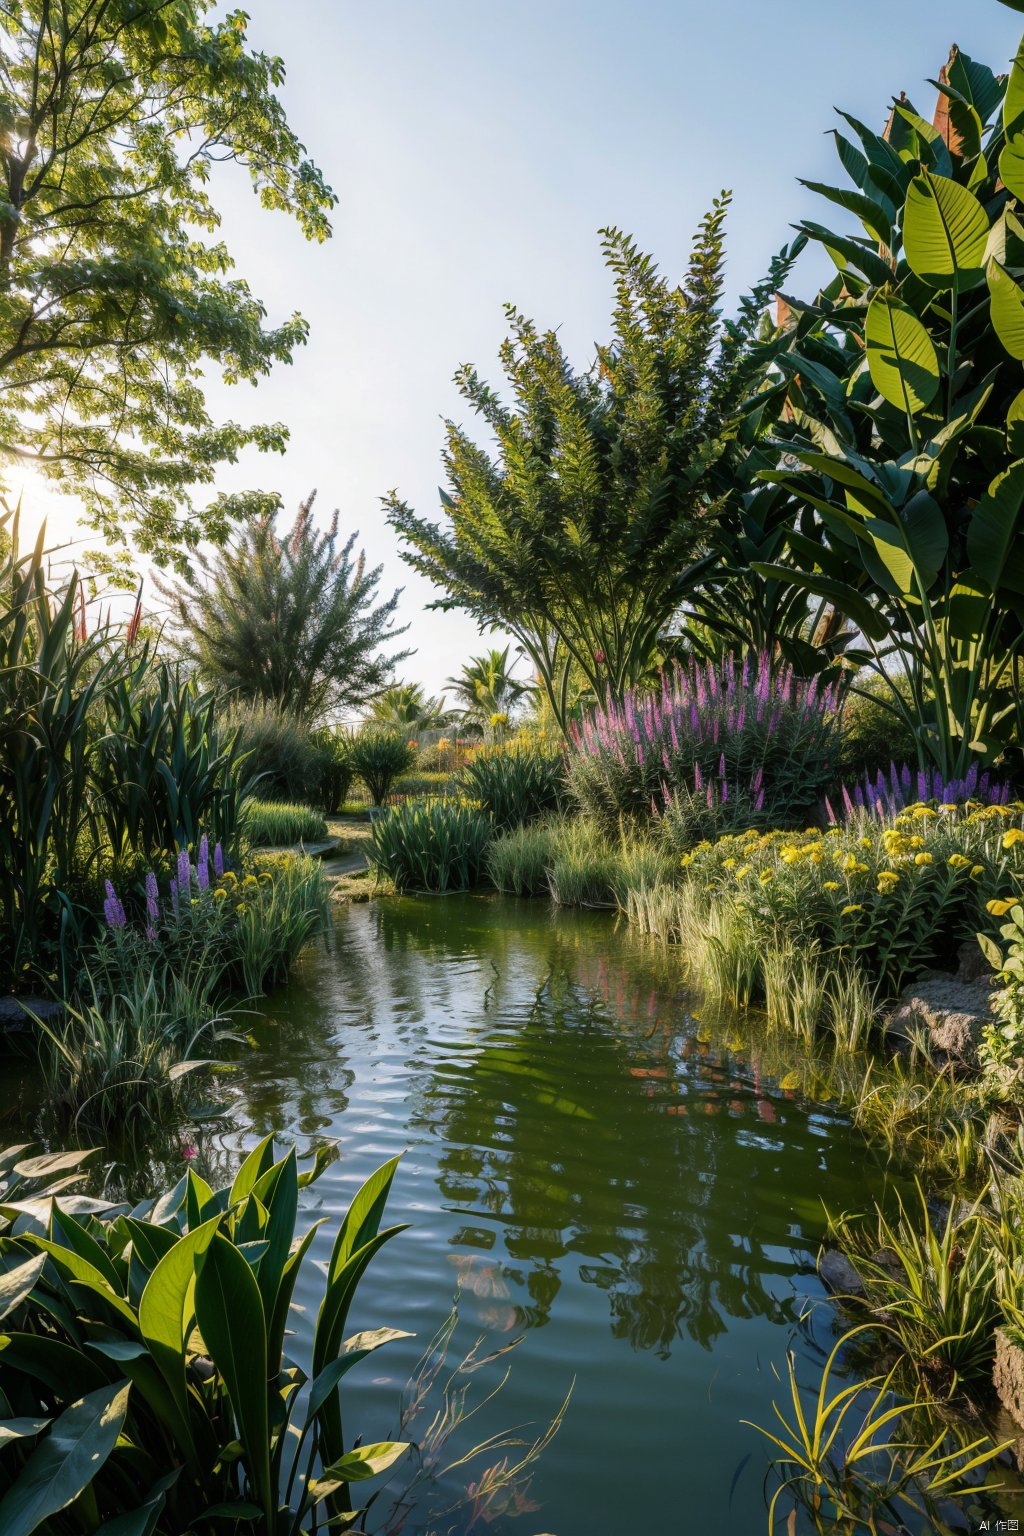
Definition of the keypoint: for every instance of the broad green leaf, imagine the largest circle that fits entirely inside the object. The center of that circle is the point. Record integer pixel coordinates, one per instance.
(61, 1367)
(996, 529)
(1007, 309)
(51, 1162)
(141, 1521)
(166, 1310)
(230, 1315)
(1013, 101)
(945, 231)
(847, 599)
(970, 603)
(75, 1270)
(366, 1461)
(16, 1284)
(903, 362)
(1015, 427)
(869, 210)
(253, 1169)
(66, 1461)
(20, 1429)
(927, 536)
(353, 1350)
(1011, 165)
(976, 83)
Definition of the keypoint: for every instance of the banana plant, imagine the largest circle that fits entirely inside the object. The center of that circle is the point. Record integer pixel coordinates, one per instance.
(144, 1384)
(901, 434)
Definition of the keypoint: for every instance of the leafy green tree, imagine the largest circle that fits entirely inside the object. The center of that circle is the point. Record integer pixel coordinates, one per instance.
(585, 533)
(116, 297)
(406, 707)
(903, 426)
(485, 688)
(290, 621)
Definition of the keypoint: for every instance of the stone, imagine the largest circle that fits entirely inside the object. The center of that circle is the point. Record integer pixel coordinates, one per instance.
(971, 963)
(839, 1275)
(949, 1012)
(15, 1021)
(1008, 1376)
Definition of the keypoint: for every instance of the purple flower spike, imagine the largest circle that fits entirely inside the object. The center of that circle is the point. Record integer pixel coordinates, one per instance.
(152, 898)
(174, 895)
(218, 860)
(112, 908)
(184, 871)
(203, 864)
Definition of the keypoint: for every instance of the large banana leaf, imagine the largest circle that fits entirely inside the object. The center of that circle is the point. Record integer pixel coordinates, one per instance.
(903, 362)
(945, 233)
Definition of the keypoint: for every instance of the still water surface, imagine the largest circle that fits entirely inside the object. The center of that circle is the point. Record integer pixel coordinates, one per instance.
(583, 1169)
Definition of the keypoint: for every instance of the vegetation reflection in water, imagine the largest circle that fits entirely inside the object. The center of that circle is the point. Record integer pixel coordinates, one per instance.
(586, 1165)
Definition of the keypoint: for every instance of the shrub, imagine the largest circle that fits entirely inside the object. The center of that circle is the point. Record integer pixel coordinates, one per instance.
(888, 899)
(240, 931)
(153, 1346)
(436, 845)
(336, 771)
(379, 757)
(516, 785)
(518, 861)
(720, 730)
(272, 823)
(283, 760)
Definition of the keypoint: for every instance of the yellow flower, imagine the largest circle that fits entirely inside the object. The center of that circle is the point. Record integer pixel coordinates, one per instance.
(887, 877)
(923, 858)
(219, 893)
(923, 811)
(998, 908)
(229, 874)
(729, 864)
(831, 885)
(686, 860)
(249, 880)
(957, 861)
(853, 907)
(977, 870)
(765, 876)
(865, 842)
(744, 871)
(1014, 836)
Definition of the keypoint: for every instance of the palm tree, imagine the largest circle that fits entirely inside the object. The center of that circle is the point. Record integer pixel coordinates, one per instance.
(406, 708)
(487, 692)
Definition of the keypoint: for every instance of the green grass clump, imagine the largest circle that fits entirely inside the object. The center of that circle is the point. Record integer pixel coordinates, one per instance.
(278, 824)
(516, 785)
(434, 845)
(590, 868)
(518, 861)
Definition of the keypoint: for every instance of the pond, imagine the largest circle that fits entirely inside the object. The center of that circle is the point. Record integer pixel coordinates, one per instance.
(582, 1168)
(587, 1168)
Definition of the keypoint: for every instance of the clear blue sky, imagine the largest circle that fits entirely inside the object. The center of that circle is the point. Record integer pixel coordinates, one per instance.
(476, 148)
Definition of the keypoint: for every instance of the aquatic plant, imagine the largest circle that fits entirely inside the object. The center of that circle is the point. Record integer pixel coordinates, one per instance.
(723, 730)
(860, 1459)
(267, 823)
(144, 1361)
(433, 845)
(518, 860)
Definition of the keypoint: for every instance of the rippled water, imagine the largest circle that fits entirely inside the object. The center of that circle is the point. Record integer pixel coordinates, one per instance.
(580, 1168)
(584, 1169)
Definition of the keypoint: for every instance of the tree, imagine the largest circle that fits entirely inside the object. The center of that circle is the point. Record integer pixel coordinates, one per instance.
(406, 708)
(115, 299)
(584, 535)
(290, 621)
(485, 688)
(903, 426)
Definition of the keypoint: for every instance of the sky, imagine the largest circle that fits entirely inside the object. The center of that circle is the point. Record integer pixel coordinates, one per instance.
(476, 149)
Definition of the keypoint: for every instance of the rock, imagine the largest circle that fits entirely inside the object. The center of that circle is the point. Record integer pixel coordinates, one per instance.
(15, 1021)
(948, 1011)
(1008, 1375)
(971, 963)
(889, 1261)
(839, 1275)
